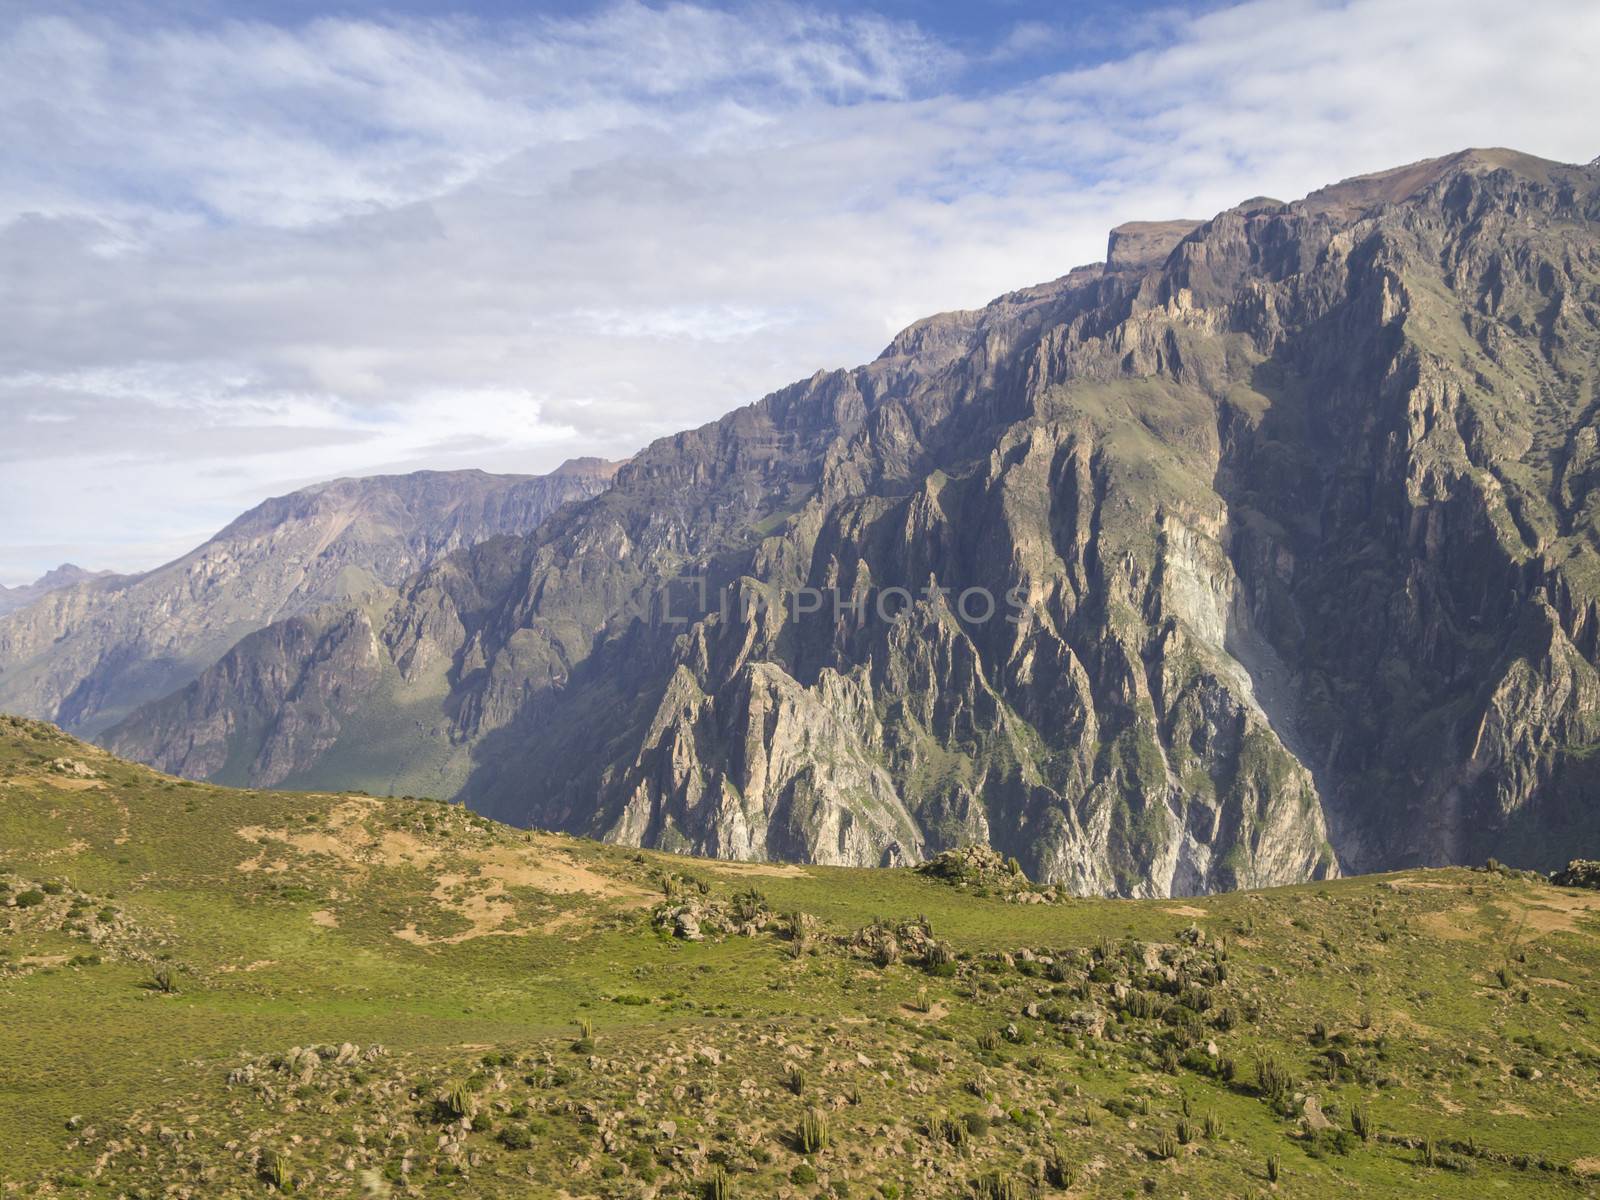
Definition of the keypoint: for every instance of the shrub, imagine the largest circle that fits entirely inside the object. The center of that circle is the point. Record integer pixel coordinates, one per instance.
(161, 980)
(516, 1137)
(803, 1174)
(749, 904)
(30, 898)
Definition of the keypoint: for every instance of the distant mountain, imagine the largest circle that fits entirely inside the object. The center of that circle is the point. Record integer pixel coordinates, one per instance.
(25, 594)
(1290, 519)
(88, 651)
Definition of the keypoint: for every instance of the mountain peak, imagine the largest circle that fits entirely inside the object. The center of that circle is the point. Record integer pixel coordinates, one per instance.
(1350, 197)
(1138, 245)
(66, 573)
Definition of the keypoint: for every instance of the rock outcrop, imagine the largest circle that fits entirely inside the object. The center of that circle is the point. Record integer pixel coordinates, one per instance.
(1264, 550)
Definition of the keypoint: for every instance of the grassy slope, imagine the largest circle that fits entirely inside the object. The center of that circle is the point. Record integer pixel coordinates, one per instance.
(284, 921)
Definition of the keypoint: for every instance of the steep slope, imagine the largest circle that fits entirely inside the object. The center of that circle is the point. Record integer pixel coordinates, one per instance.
(1285, 520)
(86, 654)
(65, 575)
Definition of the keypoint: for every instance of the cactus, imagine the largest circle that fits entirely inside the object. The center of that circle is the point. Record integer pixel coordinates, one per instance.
(813, 1133)
(275, 1169)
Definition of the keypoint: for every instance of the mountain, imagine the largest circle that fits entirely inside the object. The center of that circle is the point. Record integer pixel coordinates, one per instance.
(92, 649)
(1288, 518)
(65, 575)
(211, 993)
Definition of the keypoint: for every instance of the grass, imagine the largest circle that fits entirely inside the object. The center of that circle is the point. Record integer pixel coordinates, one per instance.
(409, 997)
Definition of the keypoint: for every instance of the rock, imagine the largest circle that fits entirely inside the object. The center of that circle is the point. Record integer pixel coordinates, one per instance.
(1090, 1020)
(1311, 1111)
(687, 926)
(1579, 873)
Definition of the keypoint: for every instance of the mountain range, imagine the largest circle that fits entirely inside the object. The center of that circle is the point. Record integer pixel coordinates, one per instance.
(91, 648)
(1287, 519)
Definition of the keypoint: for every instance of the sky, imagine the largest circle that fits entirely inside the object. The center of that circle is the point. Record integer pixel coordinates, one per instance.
(248, 246)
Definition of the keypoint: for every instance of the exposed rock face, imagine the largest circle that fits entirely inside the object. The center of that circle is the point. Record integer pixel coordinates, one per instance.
(65, 575)
(86, 653)
(1288, 520)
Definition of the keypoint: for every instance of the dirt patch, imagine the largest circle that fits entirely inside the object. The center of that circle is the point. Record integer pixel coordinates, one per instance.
(475, 886)
(64, 784)
(939, 1011)
(482, 900)
(778, 870)
(1454, 925)
(1546, 981)
(1586, 1166)
(1558, 911)
(1185, 910)
(1437, 885)
(486, 911)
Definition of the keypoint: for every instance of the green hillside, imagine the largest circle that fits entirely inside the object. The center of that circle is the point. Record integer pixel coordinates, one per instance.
(216, 993)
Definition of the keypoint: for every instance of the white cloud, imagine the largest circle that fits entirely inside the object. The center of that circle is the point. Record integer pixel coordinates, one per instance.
(240, 257)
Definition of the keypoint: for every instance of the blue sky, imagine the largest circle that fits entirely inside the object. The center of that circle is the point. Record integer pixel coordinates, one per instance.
(244, 247)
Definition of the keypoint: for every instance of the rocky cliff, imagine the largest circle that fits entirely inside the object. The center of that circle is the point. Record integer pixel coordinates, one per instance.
(1265, 549)
(85, 653)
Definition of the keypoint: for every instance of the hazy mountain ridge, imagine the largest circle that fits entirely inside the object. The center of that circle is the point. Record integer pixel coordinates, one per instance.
(85, 654)
(1298, 499)
(24, 594)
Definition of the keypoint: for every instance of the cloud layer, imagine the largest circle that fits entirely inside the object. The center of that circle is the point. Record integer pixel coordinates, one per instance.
(239, 257)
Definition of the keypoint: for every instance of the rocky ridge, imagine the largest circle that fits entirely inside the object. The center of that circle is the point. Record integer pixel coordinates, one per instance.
(1288, 519)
